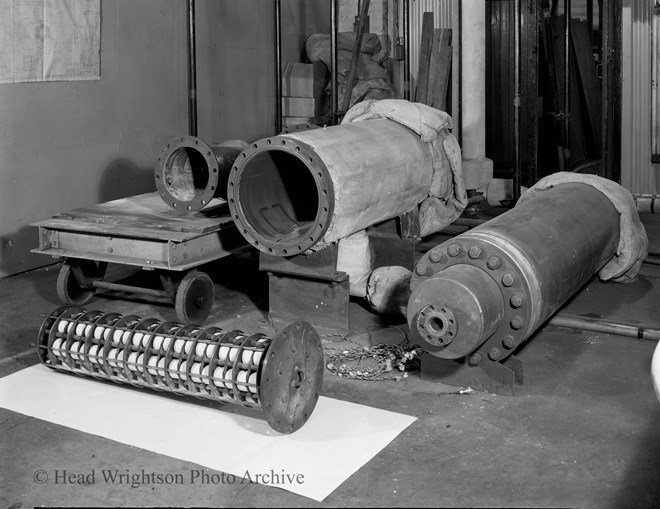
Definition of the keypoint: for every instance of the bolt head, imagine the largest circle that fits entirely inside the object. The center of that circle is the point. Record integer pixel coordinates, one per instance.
(422, 268)
(517, 322)
(494, 262)
(517, 300)
(509, 341)
(474, 252)
(453, 250)
(494, 354)
(434, 256)
(508, 279)
(475, 359)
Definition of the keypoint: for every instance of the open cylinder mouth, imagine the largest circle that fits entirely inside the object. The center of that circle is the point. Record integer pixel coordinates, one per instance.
(280, 196)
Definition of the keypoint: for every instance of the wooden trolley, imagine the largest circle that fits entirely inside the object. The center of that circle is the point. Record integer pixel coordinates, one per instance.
(145, 232)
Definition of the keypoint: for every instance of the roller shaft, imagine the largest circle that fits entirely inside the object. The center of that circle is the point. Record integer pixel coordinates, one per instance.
(504, 278)
(282, 376)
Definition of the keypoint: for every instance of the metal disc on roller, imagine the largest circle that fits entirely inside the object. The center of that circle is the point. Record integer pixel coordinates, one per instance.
(291, 377)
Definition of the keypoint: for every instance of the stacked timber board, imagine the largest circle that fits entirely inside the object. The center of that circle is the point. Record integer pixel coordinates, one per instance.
(303, 93)
(434, 64)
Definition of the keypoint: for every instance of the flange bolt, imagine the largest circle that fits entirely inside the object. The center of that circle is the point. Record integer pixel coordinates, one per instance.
(494, 262)
(475, 359)
(494, 354)
(509, 341)
(422, 268)
(474, 252)
(453, 250)
(517, 300)
(517, 322)
(508, 279)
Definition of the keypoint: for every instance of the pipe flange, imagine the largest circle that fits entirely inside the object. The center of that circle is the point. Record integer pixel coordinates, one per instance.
(437, 326)
(273, 227)
(485, 254)
(177, 185)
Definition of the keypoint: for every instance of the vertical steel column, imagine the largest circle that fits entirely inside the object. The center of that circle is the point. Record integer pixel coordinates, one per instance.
(567, 83)
(192, 71)
(333, 71)
(516, 103)
(406, 62)
(278, 66)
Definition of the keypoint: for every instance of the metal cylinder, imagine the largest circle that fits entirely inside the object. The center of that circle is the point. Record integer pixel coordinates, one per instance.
(189, 172)
(281, 376)
(500, 281)
(292, 192)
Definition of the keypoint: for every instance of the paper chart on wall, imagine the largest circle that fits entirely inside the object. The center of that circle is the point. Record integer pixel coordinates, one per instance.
(49, 40)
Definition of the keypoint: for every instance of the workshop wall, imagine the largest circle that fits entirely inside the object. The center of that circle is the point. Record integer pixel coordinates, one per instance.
(236, 69)
(65, 145)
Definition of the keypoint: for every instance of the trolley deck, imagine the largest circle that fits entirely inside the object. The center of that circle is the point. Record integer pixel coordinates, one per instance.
(141, 231)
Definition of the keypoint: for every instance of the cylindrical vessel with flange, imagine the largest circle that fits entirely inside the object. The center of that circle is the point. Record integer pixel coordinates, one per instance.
(297, 191)
(500, 281)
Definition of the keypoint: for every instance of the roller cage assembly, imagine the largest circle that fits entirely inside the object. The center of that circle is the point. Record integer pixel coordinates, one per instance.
(266, 214)
(280, 376)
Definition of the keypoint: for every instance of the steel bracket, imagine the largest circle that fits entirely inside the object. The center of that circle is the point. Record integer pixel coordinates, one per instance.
(487, 375)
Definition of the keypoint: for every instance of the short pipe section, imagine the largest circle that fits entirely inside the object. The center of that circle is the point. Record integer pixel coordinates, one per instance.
(189, 172)
(455, 311)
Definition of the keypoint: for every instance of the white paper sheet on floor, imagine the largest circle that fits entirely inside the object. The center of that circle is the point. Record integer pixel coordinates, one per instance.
(338, 439)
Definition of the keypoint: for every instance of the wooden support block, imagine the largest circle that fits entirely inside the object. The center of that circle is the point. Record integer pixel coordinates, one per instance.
(304, 80)
(425, 47)
(324, 304)
(439, 69)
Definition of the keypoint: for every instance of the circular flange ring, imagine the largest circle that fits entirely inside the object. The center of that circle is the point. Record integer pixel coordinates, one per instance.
(306, 238)
(515, 325)
(193, 198)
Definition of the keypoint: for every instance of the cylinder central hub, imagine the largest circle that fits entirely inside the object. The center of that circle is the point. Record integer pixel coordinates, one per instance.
(437, 326)
(475, 312)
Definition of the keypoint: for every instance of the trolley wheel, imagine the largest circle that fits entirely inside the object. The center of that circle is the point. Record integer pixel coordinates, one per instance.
(194, 297)
(69, 289)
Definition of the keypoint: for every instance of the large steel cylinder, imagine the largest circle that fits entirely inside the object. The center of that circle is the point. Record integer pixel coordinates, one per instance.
(490, 288)
(280, 375)
(292, 192)
(189, 172)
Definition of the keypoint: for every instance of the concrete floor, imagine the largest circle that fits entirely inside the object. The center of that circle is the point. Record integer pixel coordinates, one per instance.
(584, 430)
